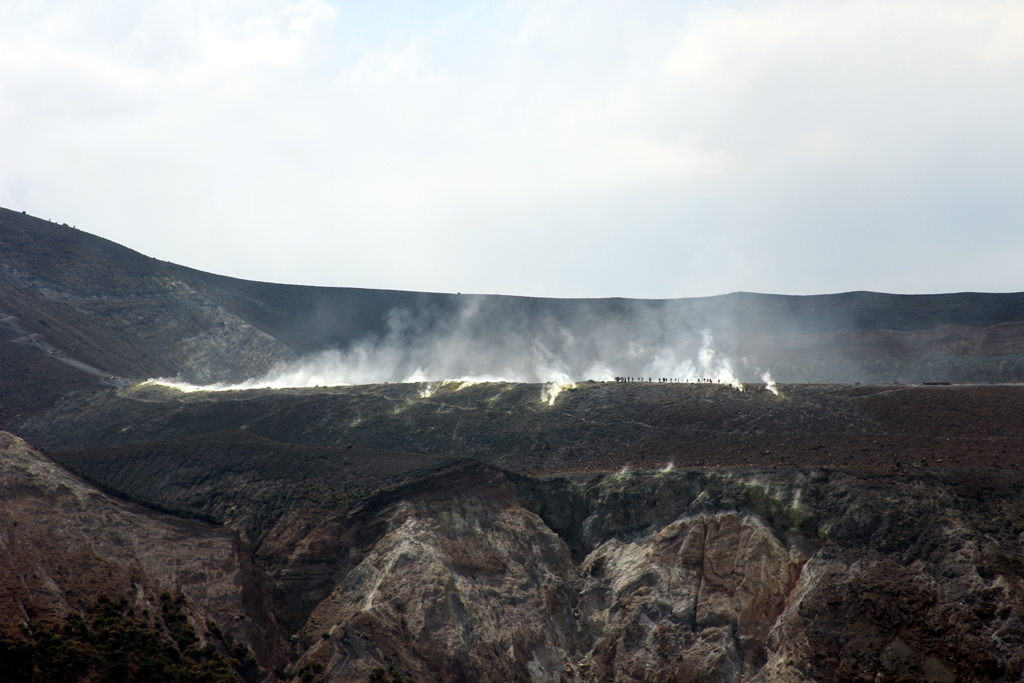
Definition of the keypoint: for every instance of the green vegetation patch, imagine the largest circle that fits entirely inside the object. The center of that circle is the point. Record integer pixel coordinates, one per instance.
(110, 643)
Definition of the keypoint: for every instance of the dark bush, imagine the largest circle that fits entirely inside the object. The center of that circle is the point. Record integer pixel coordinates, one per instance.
(110, 644)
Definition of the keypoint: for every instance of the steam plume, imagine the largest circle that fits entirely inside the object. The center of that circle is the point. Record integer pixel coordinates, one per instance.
(484, 344)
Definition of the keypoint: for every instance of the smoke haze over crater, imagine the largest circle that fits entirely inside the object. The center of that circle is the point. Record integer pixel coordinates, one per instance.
(491, 339)
(135, 317)
(366, 336)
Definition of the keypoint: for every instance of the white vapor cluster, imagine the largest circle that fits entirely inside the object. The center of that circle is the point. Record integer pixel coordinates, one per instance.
(715, 369)
(487, 344)
(552, 389)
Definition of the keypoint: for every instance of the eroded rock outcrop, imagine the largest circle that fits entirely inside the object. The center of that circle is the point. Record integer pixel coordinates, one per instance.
(471, 590)
(742, 577)
(475, 574)
(699, 596)
(64, 543)
(456, 590)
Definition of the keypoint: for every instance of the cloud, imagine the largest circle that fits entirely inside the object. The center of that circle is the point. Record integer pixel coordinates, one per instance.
(654, 149)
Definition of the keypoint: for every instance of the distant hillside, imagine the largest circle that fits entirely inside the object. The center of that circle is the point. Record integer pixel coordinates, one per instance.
(71, 296)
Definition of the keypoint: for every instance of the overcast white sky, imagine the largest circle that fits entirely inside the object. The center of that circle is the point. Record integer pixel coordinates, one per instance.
(644, 149)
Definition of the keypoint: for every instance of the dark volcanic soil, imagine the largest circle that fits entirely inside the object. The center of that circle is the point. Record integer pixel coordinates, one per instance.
(162, 445)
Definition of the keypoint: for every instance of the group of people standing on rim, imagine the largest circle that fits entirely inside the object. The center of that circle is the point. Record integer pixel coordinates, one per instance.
(669, 380)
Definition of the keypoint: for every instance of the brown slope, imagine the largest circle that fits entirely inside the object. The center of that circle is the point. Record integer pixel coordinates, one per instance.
(63, 543)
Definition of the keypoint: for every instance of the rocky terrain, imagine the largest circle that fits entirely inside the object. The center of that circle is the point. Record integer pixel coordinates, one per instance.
(499, 531)
(66, 544)
(741, 575)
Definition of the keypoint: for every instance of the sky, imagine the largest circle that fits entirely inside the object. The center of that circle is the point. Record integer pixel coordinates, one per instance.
(563, 149)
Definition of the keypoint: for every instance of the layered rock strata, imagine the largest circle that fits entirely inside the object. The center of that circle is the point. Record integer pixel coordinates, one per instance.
(474, 573)
(801, 576)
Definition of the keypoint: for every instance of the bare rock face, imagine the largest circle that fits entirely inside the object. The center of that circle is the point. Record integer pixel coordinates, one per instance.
(456, 590)
(876, 619)
(669, 577)
(478, 588)
(467, 590)
(699, 595)
(63, 543)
